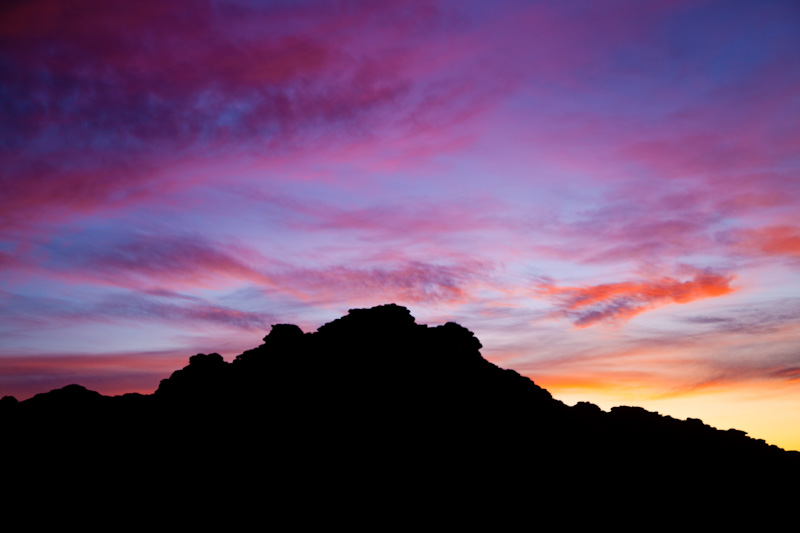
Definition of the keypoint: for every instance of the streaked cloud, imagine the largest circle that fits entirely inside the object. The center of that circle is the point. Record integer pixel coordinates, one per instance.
(617, 302)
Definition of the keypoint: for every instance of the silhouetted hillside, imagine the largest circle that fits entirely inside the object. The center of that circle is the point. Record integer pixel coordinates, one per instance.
(371, 415)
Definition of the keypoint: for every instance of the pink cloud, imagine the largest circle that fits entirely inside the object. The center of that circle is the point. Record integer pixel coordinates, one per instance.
(768, 241)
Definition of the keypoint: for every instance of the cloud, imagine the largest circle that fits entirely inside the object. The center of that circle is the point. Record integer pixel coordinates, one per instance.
(417, 222)
(403, 282)
(728, 218)
(8, 260)
(619, 302)
(188, 314)
(147, 260)
(642, 232)
(783, 240)
(32, 313)
(737, 348)
(152, 263)
(789, 374)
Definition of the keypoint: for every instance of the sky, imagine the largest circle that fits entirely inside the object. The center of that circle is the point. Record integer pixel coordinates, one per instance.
(606, 193)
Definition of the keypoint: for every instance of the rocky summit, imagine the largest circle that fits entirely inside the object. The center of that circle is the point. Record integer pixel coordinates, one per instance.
(370, 417)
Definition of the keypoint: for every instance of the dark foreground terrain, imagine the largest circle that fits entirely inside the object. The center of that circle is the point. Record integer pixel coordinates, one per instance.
(376, 422)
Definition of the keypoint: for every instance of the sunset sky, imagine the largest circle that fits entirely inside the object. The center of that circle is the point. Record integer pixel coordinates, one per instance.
(607, 193)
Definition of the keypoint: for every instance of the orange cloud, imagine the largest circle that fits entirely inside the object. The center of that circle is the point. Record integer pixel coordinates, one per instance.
(615, 302)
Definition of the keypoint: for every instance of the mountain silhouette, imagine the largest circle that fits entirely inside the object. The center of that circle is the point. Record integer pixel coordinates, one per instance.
(374, 419)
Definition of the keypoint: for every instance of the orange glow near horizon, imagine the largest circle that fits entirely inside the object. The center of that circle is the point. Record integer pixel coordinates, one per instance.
(764, 409)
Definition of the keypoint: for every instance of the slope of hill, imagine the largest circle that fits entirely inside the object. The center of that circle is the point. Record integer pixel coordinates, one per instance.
(372, 414)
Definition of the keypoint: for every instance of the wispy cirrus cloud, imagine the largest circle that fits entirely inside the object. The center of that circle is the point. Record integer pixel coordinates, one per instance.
(146, 260)
(32, 313)
(715, 218)
(152, 262)
(187, 313)
(409, 282)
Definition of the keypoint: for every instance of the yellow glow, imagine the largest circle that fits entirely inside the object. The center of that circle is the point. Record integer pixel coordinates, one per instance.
(768, 410)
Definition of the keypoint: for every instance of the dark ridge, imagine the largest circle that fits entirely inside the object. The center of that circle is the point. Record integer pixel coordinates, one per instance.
(374, 419)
